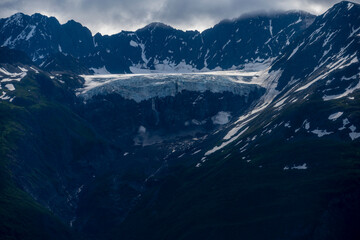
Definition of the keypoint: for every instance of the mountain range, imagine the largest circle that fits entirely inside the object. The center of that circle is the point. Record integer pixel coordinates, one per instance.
(247, 130)
(229, 44)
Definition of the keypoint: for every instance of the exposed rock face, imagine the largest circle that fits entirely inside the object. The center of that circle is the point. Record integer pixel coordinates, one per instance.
(231, 43)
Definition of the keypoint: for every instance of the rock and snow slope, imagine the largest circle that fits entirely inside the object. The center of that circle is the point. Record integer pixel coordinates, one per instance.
(145, 149)
(229, 44)
(308, 70)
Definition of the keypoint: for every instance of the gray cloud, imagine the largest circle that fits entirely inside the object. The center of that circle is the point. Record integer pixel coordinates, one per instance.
(111, 16)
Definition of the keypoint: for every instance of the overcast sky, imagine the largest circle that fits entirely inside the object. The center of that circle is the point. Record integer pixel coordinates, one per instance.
(112, 16)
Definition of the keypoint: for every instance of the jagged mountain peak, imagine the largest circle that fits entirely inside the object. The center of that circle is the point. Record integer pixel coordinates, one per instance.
(75, 24)
(155, 25)
(40, 36)
(40, 17)
(339, 25)
(344, 8)
(157, 46)
(332, 38)
(21, 19)
(345, 4)
(15, 18)
(14, 21)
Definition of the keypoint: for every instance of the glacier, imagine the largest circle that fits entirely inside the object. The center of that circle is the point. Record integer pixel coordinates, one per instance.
(140, 87)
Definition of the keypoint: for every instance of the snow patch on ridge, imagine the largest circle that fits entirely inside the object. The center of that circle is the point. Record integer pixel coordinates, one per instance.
(100, 71)
(335, 116)
(10, 87)
(294, 167)
(353, 135)
(321, 133)
(31, 33)
(224, 144)
(269, 81)
(348, 91)
(134, 44)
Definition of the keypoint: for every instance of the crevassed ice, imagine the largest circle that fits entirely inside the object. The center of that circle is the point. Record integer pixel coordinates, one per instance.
(141, 87)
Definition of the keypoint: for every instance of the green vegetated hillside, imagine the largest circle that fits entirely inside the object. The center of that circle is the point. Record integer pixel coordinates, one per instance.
(21, 217)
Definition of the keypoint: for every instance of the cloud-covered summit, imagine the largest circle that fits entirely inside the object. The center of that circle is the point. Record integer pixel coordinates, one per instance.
(112, 16)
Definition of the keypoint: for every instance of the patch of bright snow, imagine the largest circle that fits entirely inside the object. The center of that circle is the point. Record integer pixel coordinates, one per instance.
(142, 129)
(321, 133)
(348, 91)
(10, 87)
(281, 102)
(335, 116)
(18, 76)
(224, 144)
(345, 122)
(100, 71)
(307, 124)
(31, 33)
(196, 152)
(221, 118)
(35, 70)
(4, 97)
(354, 135)
(352, 128)
(300, 167)
(133, 44)
(22, 69)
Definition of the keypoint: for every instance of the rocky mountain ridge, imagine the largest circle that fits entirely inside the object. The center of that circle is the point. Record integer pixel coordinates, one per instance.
(157, 47)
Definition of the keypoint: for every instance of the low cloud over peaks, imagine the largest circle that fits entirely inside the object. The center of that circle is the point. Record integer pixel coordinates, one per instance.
(112, 16)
